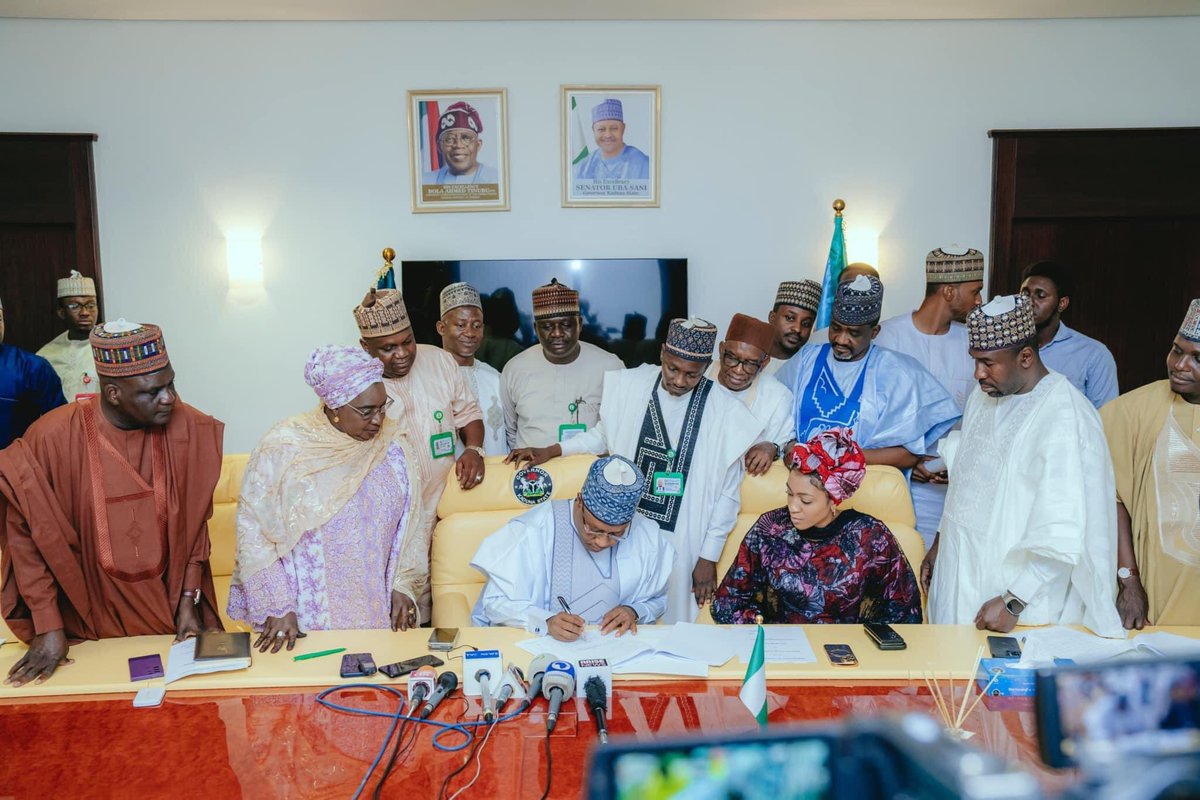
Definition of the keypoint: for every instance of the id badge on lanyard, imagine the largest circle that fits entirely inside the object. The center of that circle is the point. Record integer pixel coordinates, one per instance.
(667, 484)
(441, 444)
(570, 430)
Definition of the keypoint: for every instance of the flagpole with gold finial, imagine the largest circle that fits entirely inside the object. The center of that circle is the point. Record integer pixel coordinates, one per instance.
(386, 271)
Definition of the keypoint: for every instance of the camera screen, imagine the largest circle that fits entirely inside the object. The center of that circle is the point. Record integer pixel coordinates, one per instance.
(752, 771)
(1145, 707)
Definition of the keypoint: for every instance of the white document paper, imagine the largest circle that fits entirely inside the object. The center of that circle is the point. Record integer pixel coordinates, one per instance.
(662, 664)
(616, 649)
(1043, 645)
(1171, 645)
(707, 644)
(783, 644)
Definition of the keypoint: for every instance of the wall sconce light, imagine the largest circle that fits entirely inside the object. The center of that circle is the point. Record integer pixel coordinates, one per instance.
(862, 245)
(243, 254)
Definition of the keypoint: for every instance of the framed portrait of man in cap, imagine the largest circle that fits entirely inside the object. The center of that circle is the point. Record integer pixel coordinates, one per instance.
(458, 149)
(610, 141)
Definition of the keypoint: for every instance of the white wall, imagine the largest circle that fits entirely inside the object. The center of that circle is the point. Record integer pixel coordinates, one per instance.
(299, 130)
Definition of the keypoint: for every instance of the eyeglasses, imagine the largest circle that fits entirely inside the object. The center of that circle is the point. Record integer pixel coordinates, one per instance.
(732, 362)
(595, 534)
(73, 307)
(459, 138)
(369, 414)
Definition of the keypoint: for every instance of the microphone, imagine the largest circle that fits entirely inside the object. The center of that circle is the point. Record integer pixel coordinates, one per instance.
(537, 670)
(597, 701)
(420, 685)
(513, 684)
(447, 682)
(557, 685)
(484, 677)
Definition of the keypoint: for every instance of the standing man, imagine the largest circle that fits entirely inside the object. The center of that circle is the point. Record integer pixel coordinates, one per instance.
(69, 352)
(29, 388)
(462, 332)
(935, 336)
(1086, 362)
(459, 141)
(743, 358)
(897, 410)
(792, 318)
(105, 505)
(433, 405)
(552, 392)
(1030, 525)
(1154, 436)
(688, 439)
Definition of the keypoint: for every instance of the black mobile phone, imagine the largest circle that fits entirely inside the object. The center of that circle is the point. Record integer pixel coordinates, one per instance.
(840, 655)
(401, 668)
(443, 639)
(1004, 647)
(357, 665)
(884, 637)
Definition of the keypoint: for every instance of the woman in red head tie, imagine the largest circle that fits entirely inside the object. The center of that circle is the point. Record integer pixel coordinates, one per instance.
(815, 562)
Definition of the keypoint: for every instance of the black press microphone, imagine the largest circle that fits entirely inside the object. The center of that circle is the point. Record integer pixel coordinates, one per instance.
(537, 671)
(597, 701)
(557, 685)
(447, 682)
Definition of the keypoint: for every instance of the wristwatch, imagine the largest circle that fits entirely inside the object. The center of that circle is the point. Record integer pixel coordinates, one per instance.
(194, 594)
(1014, 604)
(477, 449)
(1125, 573)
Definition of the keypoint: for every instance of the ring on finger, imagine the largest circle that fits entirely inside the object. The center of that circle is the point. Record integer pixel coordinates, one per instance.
(280, 634)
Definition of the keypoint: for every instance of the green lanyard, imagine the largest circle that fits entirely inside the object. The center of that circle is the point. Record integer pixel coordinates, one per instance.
(441, 445)
(572, 429)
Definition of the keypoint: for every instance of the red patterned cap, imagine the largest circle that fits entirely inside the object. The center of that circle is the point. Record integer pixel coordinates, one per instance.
(125, 349)
(554, 300)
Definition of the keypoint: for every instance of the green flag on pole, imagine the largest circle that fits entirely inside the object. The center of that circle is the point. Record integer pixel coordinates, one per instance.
(834, 264)
(754, 685)
(578, 138)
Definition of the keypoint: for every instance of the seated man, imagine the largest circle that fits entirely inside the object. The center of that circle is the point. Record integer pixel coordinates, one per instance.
(1029, 532)
(326, 503)
(105, 506)
(897, 410)
(810, 562)
(608, 564)
(1154, 435)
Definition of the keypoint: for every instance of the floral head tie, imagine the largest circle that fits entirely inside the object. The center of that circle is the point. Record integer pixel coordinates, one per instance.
(835, 458)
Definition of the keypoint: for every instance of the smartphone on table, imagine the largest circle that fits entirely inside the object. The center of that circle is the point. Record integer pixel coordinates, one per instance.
(401, 668)
(884, 636)
(357, 665)
(443, 639)
(840, 655)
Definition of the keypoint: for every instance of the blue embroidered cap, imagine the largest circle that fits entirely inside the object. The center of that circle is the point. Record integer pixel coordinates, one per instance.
(609, 109)
(612, 490)
(692, 339)
(859, 302)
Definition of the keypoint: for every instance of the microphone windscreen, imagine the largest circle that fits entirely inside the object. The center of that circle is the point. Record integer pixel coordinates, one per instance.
(596, 692)
(559, 675)
(448, 681)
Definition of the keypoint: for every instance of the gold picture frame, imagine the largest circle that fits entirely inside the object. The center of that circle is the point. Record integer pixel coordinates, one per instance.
(440, 182)
(595, 173)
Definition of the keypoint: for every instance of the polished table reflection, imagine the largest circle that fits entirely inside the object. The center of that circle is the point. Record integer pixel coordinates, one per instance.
(259, 732)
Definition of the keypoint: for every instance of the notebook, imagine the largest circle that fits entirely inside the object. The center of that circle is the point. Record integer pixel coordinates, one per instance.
(230, 651)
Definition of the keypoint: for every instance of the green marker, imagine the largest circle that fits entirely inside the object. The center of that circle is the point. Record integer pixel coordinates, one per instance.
(318, 654)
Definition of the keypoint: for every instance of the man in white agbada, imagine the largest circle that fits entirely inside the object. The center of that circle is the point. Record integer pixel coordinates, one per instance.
(1029, 532)
(461, 329)
(609, 563)
(70, 353)
(936, 337)
(740, 370)
(689, 440)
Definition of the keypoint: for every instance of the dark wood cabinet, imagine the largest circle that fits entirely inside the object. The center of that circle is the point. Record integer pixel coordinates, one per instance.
(47, 228)
(1122, 207)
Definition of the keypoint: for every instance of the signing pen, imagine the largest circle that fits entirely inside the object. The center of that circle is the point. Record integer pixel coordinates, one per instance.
(564, 605)
(318, 654)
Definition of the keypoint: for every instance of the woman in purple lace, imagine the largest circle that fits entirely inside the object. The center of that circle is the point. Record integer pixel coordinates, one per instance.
(811, 562)
(323, 514)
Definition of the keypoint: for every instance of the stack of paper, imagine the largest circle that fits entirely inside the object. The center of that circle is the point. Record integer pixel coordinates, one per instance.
(181, 662)
(1043, 645)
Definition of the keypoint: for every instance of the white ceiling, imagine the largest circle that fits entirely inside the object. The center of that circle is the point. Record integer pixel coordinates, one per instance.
(465, 10)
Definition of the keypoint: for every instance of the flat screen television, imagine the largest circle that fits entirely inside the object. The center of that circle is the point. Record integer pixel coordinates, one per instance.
(626, 303)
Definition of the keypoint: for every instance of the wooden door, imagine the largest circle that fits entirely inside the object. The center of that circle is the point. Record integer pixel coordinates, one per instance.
(1122, 207)
(47, 228)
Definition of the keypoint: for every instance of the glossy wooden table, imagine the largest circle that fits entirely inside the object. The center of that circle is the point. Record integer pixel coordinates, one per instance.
(264, 744)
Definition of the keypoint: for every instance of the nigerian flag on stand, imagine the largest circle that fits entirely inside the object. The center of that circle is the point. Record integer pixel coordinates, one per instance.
(578, 149)
(754, 685)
